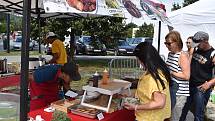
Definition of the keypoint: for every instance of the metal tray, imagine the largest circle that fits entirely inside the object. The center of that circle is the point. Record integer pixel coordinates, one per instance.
(84, 111)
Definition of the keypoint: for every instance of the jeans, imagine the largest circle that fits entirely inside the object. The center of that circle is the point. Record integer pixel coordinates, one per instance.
(200, 99)
(173, 90)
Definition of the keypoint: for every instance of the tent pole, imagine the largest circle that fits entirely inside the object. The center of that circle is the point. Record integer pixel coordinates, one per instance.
(8, 33)
(72, 44)
(39, 32)
(159, 36)
(25, 60)
(38, 22)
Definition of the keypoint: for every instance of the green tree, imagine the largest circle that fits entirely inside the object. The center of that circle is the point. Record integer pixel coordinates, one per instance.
(129, 27)
(145, 31)
(3, 23)
(188, 2)
(108, 29)
(175, 6)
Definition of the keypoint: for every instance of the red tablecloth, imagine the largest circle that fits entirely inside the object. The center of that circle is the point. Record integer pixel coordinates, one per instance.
(120, 115)
(7, 81)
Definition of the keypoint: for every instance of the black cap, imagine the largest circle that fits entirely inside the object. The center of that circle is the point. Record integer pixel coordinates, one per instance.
(71, 69)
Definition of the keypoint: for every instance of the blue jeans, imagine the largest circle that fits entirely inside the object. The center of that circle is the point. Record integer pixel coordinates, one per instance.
(200, 100)
(173, 90)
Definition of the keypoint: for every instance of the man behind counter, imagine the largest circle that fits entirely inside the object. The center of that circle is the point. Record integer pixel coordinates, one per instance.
(59, 55)
(45, 85)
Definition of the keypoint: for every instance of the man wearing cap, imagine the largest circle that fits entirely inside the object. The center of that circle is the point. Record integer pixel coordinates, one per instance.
(58, 49)
(201, 80)
(48, 80)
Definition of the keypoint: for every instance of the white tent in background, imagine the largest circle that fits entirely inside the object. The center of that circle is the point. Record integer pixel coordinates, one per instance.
(199, 16)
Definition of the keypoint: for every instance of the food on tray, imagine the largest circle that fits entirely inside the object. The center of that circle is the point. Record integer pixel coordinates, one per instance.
(63, 105)
(112, 4)
(83, 5)
(84, 111)
(14, 67)
(131, 100)
(131, 8)
(87, 110)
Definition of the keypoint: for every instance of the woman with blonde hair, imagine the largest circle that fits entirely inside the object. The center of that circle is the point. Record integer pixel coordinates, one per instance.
(179, 66)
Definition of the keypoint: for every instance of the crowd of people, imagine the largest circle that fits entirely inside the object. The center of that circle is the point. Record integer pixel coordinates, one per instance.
(167, 90)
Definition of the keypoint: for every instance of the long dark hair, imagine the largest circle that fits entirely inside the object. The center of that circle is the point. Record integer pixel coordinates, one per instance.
(152, 61)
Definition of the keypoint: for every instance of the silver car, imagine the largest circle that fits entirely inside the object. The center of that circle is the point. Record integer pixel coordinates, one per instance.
(17, 44)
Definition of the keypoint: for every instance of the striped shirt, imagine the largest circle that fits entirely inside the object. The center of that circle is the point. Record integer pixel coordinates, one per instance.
(173, 64)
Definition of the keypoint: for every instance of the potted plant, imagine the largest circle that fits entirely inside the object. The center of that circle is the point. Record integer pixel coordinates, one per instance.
(60, 116)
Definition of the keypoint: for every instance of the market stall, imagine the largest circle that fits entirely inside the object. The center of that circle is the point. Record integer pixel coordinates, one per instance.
(99, 98)
(39, 8)
(121, 115)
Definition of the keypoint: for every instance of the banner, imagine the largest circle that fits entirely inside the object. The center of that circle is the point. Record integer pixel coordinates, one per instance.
(118, 8)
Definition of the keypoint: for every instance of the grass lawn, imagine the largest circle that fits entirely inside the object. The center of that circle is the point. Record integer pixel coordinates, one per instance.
(87, 69)
(15, 53)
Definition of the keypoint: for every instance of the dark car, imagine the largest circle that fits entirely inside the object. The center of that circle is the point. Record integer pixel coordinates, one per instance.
(123, 48)
(86, 45)
(136, 41)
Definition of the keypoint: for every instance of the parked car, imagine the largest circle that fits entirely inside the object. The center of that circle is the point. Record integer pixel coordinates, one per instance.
(17, 44)
(136, 41)
(86, 45)
(123, 48)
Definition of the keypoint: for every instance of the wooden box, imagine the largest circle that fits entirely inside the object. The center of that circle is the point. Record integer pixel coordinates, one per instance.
(64, 104)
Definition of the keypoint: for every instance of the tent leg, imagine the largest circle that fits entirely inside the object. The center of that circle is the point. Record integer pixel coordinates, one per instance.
(159, 36)
(8, 33)
(25, 59)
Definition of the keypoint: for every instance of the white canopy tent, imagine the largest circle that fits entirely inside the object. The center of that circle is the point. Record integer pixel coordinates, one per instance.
(199, 16)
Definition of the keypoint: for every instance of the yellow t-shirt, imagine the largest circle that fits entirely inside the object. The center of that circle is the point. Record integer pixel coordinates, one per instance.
(58, 47)
(146, 86)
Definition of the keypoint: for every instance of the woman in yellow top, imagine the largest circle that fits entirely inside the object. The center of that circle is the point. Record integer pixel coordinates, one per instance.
(153, 86)
(59, 55)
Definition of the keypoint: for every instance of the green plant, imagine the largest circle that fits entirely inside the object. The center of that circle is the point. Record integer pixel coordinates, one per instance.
(60, 116)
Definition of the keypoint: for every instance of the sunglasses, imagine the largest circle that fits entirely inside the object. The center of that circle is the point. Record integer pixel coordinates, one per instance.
(168, 43)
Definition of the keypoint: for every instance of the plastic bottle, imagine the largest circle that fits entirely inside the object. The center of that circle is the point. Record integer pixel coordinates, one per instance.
(95, 79)
(105, 77)
(5, 62)
(61, 93)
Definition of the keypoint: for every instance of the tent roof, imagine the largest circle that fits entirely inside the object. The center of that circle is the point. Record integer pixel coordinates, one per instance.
(200, 12)
(38, 9)
(16, 7)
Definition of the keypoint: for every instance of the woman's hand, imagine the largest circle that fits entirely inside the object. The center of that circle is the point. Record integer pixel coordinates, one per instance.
(129, 106)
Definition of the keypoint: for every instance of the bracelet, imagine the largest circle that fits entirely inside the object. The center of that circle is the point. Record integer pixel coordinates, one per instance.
(135, 107)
